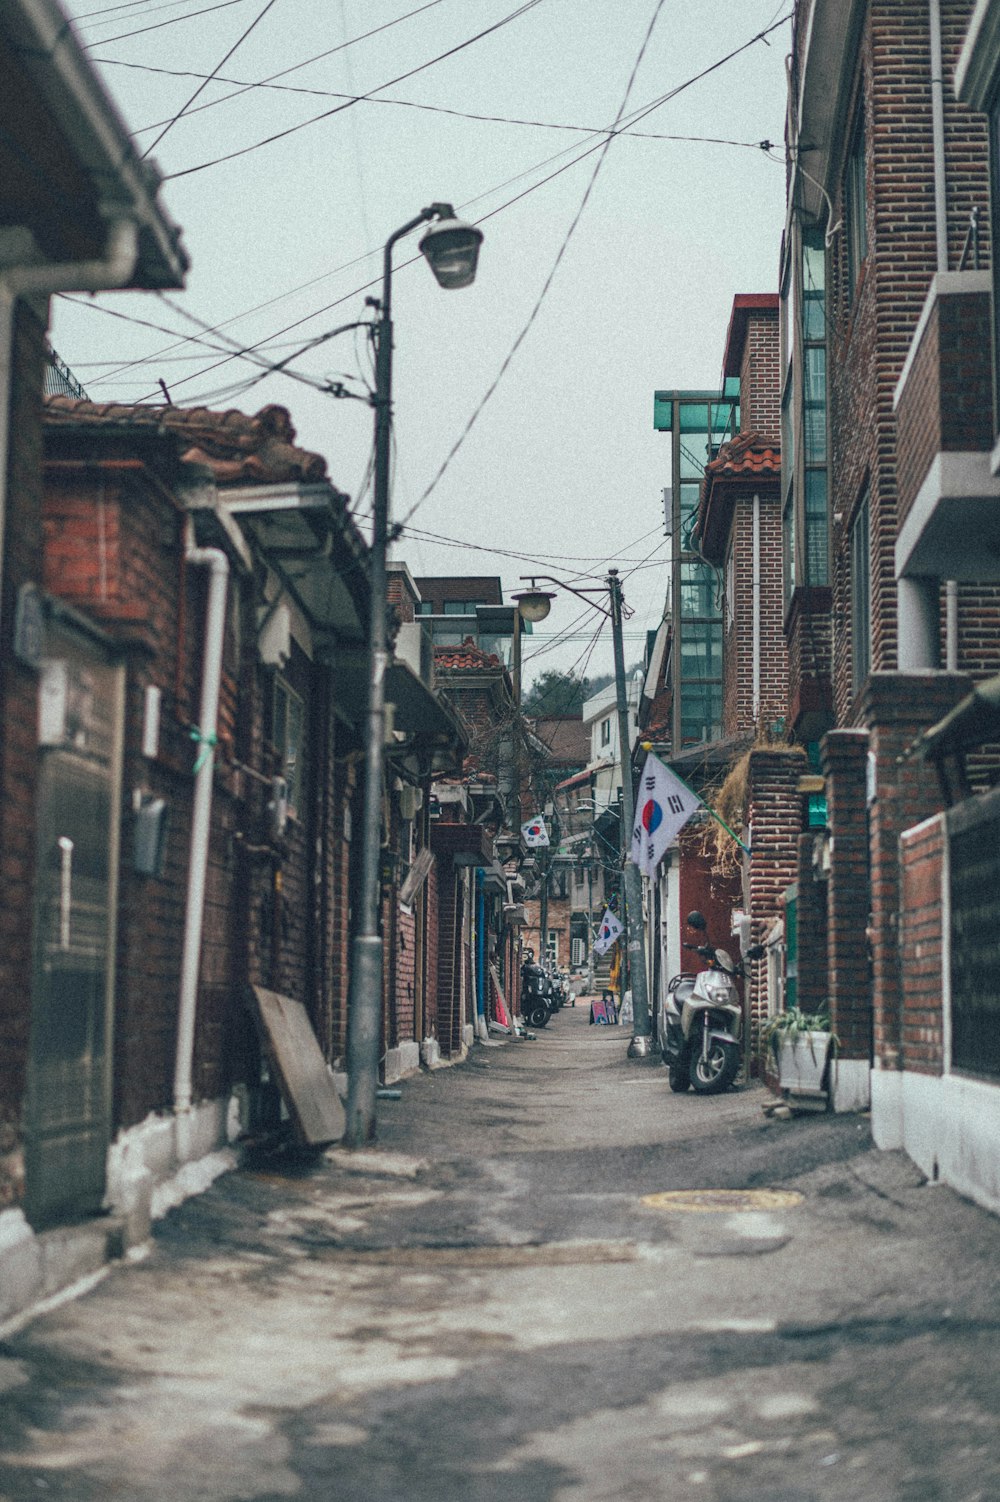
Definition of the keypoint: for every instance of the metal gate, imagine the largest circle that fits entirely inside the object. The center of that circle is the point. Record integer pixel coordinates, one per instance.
(68, 1118)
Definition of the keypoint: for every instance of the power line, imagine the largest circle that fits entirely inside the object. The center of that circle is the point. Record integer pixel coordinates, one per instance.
(508, 359)
(158, 25)
(243, 86)
(373, 282)
(326, 114)
(205, 82)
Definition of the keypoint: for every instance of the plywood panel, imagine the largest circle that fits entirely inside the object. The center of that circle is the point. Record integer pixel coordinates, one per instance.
(306, 1082)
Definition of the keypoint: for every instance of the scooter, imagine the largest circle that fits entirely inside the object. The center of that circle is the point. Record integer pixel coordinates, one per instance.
(701, 1020)
(536, 1006)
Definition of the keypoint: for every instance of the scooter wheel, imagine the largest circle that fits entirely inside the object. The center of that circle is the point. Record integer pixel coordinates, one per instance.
(716, 1073)
(538, 1016)
(680, 1081)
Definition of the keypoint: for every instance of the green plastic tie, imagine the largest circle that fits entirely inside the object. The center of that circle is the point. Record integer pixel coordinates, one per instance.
(207, 743)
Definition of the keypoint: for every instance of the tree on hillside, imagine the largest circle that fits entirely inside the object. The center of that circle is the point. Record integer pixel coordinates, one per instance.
(556, 693)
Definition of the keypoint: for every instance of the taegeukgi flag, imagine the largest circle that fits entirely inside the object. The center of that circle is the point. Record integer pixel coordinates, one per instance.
(663, 806)
(607, 933)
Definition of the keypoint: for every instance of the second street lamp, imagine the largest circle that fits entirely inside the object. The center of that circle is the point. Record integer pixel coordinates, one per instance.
(452, 250)
(534, 604)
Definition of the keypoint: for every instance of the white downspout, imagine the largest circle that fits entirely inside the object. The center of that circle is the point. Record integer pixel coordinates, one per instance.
(941, 240)
(756, 608)
(215, 625)
(113, 270)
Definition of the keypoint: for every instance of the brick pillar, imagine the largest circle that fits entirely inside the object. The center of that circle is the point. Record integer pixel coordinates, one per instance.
(896, 707)
(774, 812)
(812, 982)
(844, 762)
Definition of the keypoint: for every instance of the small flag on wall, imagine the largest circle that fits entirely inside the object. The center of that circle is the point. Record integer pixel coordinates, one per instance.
(534, 832)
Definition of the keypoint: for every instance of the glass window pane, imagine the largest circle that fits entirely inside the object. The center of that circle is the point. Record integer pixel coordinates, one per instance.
(701, 650)
(817, 528)
(814, 401)
(663, 413)
(813, 287)
(698, 590)
(694, 454)
(694, 417)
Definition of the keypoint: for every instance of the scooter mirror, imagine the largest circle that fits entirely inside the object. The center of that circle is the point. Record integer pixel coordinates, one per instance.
(695, 920)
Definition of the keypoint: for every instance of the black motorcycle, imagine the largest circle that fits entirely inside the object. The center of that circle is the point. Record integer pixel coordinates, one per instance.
(536, 993)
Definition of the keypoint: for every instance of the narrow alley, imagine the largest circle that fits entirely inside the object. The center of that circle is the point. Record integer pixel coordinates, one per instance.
(487, 1305)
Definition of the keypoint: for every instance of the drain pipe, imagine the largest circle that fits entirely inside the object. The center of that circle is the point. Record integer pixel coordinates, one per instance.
(941, 241)
(43, 280)
(216, 561)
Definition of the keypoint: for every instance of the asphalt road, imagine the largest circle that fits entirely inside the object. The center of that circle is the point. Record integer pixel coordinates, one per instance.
(484, 1307)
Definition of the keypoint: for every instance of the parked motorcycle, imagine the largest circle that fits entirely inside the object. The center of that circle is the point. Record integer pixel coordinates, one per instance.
(701, 1019)
(536, 999)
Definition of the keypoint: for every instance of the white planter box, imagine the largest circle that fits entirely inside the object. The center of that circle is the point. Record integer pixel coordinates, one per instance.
(802, 1062)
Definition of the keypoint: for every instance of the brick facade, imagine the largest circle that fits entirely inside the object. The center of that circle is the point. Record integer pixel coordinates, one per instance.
(845, 769)
(22, 564)
(897, 706)
(921, 946)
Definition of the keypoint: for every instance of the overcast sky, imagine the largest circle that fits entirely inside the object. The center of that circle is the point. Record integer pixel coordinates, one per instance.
(561, 467)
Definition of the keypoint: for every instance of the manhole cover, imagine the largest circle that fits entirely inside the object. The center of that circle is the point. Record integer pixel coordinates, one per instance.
(712, 1201)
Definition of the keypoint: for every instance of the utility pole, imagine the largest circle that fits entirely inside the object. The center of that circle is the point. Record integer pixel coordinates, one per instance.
(641, 1044)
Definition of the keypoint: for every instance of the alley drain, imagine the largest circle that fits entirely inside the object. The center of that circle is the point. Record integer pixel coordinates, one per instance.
(718, 1201)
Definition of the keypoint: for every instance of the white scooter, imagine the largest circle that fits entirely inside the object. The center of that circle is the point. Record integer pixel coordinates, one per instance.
(700, 1021)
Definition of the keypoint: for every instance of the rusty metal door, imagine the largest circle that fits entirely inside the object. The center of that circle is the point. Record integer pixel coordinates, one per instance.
(68, 1118)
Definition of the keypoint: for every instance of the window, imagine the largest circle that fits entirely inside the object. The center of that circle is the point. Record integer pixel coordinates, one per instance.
(425, 607)
(606, 732)
(552, 946)
(287, 736)
(855, 203)
(461, 607)
(861, 587)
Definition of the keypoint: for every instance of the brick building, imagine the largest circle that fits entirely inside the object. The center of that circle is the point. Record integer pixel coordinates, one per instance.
(104, 228)
(889, 499)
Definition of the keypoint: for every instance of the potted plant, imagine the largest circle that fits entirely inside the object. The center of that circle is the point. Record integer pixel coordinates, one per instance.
(800, 1044)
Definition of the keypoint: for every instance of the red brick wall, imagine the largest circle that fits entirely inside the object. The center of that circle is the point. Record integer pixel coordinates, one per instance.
(869, 335)
(845, 762)
(760, 377)
(896, 706)
(947, 402)
(21, 563)
(809, 705)
(921, 951)
(774, 809)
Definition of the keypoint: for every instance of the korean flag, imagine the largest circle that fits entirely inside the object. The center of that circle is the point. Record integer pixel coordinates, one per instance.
(663, 807)
(534, 832)
(607, 933)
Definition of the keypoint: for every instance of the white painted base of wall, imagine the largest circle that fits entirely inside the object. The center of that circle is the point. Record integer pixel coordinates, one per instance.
(151, 1168)
(949, 1126)
(850, 1084)
(401, 1061)
(165, 1159)
(468, 1036)
(430, 1054)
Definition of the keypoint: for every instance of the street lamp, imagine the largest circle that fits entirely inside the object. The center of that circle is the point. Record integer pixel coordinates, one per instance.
(536, 599)
(452, 250)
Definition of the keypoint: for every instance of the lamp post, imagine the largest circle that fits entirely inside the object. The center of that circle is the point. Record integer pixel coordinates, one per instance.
(452, 249)
(641, 1044)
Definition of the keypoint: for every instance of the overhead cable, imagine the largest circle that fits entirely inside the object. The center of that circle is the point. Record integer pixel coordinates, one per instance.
(326, 114)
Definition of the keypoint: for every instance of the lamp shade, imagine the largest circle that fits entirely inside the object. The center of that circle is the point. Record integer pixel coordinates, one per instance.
(452, 251)
(534, 604)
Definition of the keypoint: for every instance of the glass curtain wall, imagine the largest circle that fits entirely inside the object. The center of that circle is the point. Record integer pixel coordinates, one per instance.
(699, 422)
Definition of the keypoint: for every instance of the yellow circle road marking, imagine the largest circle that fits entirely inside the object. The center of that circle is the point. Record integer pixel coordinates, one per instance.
(714, 1201)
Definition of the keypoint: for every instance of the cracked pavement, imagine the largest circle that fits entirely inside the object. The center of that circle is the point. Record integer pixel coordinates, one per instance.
(483, 1307)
